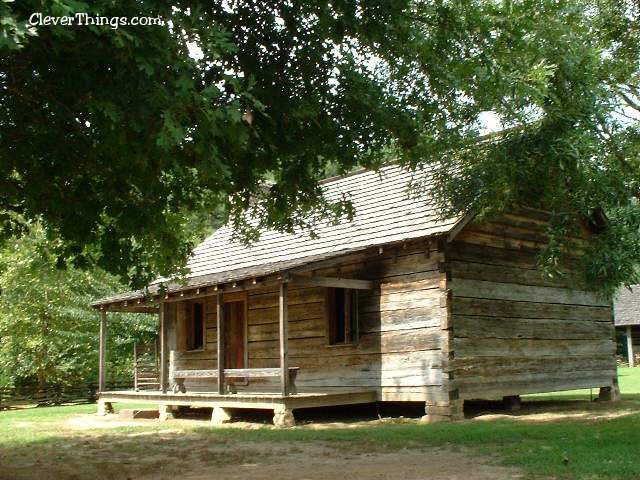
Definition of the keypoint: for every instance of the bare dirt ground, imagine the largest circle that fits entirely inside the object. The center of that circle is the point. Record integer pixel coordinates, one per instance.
(258, 460)
(313, 461)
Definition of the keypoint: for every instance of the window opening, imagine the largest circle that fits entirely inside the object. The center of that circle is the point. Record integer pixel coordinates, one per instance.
(195, 327)
(343, 316)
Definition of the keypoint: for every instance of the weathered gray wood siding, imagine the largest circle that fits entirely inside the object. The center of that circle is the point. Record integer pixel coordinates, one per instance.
(401, 335)
(515, 332)
(204, 359)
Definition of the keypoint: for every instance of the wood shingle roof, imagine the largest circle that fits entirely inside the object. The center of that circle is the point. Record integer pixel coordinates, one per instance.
(385, 213)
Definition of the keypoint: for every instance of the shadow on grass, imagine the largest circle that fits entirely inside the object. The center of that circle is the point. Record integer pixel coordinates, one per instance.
(109, 455)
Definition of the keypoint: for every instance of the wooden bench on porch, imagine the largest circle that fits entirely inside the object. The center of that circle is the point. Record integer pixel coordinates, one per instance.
(179, 376)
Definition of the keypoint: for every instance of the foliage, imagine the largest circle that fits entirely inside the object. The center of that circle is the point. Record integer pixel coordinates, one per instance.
(112, 155)
(48, 333)
(565, 79)
(149, 131)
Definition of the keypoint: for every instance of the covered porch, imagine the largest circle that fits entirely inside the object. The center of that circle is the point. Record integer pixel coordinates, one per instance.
(281, 396)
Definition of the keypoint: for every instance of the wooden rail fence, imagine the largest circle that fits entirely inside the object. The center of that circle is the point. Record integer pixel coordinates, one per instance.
(20, 397)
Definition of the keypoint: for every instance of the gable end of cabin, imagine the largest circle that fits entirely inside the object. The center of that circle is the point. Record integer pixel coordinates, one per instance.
(514, 331)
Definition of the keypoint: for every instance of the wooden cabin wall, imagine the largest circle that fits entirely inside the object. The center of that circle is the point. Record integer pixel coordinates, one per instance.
(205, 359)
(398, 352)
(401, 336)
(515, 332)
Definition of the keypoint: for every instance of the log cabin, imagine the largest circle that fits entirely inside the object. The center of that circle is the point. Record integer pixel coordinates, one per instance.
(395, 305)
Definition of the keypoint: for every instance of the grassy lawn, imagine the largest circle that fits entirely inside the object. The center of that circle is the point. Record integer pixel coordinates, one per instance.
(628, 378)
(574, 439)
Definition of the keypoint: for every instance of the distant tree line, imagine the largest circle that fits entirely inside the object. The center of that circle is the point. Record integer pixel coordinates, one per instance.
(48, 332)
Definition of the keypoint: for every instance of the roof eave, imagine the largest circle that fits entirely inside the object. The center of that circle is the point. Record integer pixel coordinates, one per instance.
(227, 281)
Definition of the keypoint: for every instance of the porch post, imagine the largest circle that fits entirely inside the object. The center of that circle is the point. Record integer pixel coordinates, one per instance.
(632, 362)
(284, 339)
(163, 347)
(102, 361)
(220, 342)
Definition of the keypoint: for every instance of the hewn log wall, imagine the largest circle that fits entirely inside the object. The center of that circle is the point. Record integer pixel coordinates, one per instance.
(515, 332)
(501, 330)
(203, 359)
(401, 336)
(398, 352)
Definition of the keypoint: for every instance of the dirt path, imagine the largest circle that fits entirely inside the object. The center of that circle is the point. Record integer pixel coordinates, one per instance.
(313, 462)
(105, 448)
(199, 457)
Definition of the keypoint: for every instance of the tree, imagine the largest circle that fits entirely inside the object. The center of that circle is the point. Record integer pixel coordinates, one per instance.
(47, 330)
(110, 134)
(573, 141)
(112, 155)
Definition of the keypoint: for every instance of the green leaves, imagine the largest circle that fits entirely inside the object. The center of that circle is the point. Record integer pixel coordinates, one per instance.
(48, 333)
(14, 31)
(570, 153)
(113, 137)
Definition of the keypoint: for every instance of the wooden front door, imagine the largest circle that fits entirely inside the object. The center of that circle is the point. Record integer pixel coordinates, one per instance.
(234, 334)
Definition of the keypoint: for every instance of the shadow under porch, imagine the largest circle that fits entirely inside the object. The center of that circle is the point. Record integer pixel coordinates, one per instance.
(283, 406)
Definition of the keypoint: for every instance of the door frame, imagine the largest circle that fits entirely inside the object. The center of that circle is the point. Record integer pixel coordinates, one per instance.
(240, 297)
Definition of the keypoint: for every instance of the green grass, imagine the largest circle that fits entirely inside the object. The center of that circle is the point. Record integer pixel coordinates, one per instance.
(593, 440)
(591, 449)
(628, 378)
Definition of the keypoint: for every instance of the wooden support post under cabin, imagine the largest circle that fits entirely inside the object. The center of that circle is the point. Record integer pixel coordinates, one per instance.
(165, 412)
(284, 339)
(630, 353)
(283, 417)
(164, 381)
(220, 415)
(610, 393)
(512, 403)
(220, 343)
(443, 411)
(102, 365)
(104, 407)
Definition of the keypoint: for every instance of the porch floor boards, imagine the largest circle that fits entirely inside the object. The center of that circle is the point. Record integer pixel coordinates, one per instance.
(267, 401)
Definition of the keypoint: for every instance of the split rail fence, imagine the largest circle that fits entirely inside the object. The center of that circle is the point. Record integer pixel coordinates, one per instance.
(21, 397)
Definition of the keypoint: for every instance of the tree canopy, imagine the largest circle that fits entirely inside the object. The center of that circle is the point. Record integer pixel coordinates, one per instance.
(572, 146)
(109, 135)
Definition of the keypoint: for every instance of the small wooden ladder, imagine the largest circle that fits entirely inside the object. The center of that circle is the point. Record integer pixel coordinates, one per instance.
(146, 366)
